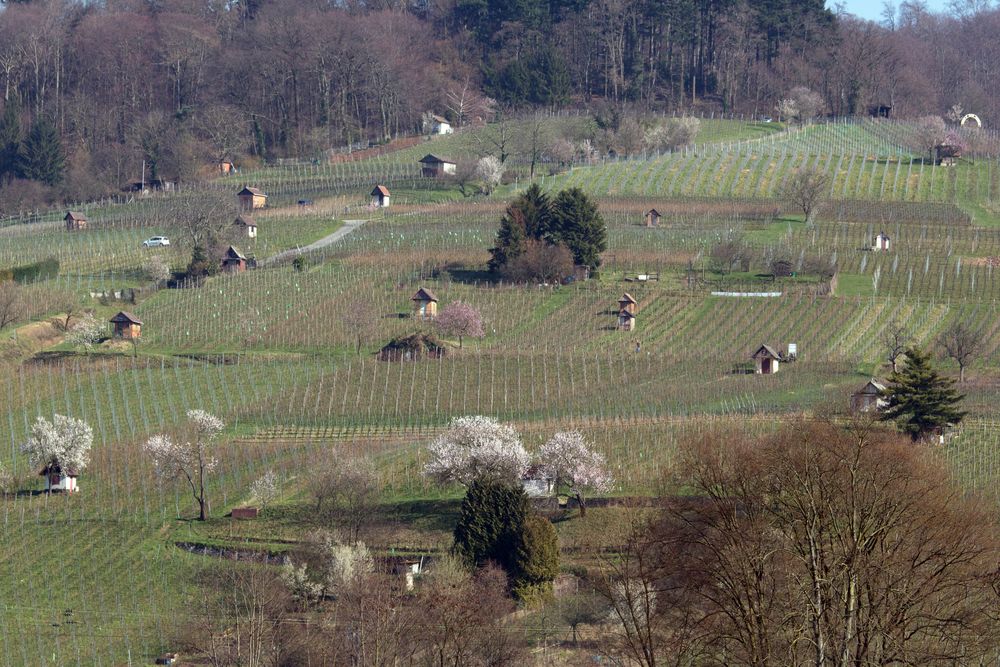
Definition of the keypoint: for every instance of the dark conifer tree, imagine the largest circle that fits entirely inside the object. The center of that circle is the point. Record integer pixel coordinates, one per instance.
(10, 141)
(577, 224)
(920, 400)
(41, 157)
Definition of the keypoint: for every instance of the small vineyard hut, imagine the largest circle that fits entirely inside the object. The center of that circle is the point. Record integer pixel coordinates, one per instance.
(234, 261)
(57, 479)
(653, 218)
(881, 242)
(440, 125)
(380, 196)
(869, 397)
(425, 304)
(628, 303)
(226, 166)
(251, 198)
(767, 360)
(433, 166)
(75, 220)
(126, 325)
(246, 226)
(626, 321)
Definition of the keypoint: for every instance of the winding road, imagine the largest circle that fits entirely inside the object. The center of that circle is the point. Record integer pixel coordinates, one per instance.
(349, 226)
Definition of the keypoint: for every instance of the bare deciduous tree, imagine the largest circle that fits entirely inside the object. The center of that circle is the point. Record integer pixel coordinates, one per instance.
(895, 340)
(806, 189)
(11, 303)
(347, 493)
(961, 343)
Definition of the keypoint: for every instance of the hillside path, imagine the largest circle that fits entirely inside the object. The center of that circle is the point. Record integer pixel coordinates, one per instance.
(348, 227)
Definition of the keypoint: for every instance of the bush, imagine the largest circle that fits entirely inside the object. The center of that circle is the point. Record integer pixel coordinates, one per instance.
(540, 262)
(300, 263)
(536, 560)
(41, 270)
(412, 347)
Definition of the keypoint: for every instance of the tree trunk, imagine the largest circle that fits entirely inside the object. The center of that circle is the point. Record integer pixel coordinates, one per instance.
(582, 504)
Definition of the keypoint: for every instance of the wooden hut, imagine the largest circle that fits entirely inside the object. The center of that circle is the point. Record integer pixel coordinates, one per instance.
(767, 360)
(425, 304)
(380, 196)
(75, 221)
(653, 218)
(433, 166)
(57, 479)
(126, 325)
(628, 303)
(246, 225)
(626, 321)
(869, 397)
(881, 242)
(251, 198)
(226, 167)
(234, 261)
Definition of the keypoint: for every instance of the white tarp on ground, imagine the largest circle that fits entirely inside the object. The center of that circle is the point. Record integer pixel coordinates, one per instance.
(760, 294)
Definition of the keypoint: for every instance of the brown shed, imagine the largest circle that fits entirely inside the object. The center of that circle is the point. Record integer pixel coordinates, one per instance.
(628, 303)
(75, 220)
(246, 225)
(869, 397)
(626, 321)
(126, 325)
(251, 198)
(433, 166)
(425, 304)
(767, 360)
(380, 196)
(653, 218)
(234, 261)
(226, 166)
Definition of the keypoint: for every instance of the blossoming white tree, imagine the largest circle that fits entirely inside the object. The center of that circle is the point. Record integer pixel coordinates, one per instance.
(64, 442)
(573, 464)
(264, 489)
(86, 332)
(475, 447)
(460, 319)
(490, 171)
(190, 460)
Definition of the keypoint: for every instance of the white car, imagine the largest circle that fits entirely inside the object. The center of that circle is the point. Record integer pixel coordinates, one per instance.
(156, 242)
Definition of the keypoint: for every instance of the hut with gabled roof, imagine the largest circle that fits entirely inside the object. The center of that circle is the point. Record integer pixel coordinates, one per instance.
(126, 325)
(57, 479)
(234, 261)
(246, 225)
(433, 166)
(75, 221)
(653, 218)
(869, 397)
(251, 198)
(380, 196)
(767, 360)
(628, 303)
(424, 304)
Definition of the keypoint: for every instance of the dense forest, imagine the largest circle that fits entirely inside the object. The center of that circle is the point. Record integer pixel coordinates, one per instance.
(93, 90)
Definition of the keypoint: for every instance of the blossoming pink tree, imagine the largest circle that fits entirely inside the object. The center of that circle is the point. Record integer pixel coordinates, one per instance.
(460, 319)
(574, 465)
(190, 460)
(474, 447)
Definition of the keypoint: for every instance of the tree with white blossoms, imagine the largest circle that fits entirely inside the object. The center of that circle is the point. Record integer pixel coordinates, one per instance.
(475, 447)
(191, 460)
(336, 566)
(264, 489)
(573, 464)
(86, 332)
(64, 442)
(490, 171)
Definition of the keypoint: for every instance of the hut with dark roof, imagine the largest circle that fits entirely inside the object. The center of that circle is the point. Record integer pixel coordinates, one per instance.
(424, 304)
(767, 360)
(126, 325)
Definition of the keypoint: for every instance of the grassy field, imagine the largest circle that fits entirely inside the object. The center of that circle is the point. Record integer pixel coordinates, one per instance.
(97, 577)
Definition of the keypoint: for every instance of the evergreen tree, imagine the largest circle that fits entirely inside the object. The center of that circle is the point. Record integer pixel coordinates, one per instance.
(490, 523)
(576, 223)
(536, 207)
(536, 558)
(10, 140)
(41, 157)
(919, 399)
(511, 239)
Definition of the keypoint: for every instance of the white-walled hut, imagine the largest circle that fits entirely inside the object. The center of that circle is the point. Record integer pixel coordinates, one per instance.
(881, 242)
(424, 304)
(869, 397)
(75, 221)
(767, 360)
(433, 166)
(441, 125)
(246, 226)
(653, 218)
(626, 321)
(627, 302)
(538, 482)
(380, 196)
(57, 479)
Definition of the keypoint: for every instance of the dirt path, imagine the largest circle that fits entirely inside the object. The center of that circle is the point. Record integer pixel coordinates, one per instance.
(349, 226)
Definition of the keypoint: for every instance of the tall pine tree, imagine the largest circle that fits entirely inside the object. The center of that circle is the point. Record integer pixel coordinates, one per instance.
(576, 223)
(41, 157)
(920, 400)
(10, 141)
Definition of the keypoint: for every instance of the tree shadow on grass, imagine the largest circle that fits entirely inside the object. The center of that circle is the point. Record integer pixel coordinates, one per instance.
(466, 276)
(441, 514)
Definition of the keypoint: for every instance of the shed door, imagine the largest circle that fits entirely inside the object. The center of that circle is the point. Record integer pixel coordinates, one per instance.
(766, 366)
